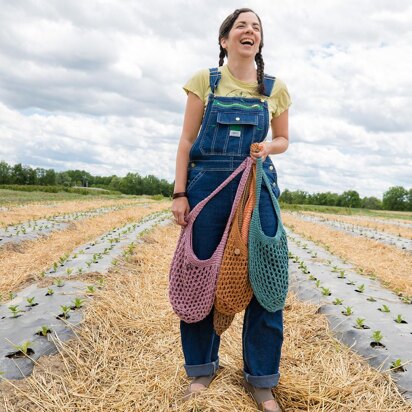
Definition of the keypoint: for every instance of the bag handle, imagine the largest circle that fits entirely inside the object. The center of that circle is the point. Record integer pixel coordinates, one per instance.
(259, 175)
(246, 164)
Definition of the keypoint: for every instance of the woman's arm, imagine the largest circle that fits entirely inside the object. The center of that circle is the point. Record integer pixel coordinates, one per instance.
(191, 125)
(280, 137)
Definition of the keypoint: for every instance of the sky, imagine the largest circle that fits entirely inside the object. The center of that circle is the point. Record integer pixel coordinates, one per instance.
(97, 85)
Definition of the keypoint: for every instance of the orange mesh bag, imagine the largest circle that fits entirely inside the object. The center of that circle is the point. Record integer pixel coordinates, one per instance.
(234, 291)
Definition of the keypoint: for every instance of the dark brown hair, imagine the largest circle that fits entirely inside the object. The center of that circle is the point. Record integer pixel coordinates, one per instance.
(224, 30)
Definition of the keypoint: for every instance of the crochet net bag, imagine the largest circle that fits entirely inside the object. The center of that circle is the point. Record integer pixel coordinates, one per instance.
(234, 292)
(192, 282)
(268, 256)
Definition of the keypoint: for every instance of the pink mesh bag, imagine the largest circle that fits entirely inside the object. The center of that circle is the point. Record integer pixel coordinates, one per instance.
(192, 282)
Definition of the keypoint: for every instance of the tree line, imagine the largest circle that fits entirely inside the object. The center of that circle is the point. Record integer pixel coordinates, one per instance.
(131, 184)
(395, 198)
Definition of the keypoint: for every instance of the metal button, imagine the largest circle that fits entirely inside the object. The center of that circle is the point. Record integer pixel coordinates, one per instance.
(271, 167)
(193, 164)
(274, 183)
(237, 251)
(237, 118)
(262, 100)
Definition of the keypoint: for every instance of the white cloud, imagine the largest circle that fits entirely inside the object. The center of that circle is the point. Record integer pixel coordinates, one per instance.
(97, 85)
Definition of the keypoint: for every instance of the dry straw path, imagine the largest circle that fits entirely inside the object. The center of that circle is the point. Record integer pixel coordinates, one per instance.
(14, 215)
(388, 227)
(128, 356)
(391, 266)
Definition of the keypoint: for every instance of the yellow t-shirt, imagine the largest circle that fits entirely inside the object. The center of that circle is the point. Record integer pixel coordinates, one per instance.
(278, 101)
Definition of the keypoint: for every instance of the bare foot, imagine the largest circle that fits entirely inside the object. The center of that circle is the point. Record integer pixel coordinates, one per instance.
(197, 387)
(271, 405)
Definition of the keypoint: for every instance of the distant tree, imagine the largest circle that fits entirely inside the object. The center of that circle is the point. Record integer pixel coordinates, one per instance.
(115, 183)
(409, 203)
(286, 196)
(395, 198)
(371, 203)
(5, 173)
(350, 198)
(64, 179)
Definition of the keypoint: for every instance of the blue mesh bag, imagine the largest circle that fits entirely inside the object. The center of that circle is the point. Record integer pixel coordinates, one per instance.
(268, 256)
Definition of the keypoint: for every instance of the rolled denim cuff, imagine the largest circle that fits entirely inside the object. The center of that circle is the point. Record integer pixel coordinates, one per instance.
(205, 369)
(267, 381)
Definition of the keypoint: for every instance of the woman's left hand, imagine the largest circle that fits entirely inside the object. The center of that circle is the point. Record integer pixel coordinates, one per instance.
(263, 152)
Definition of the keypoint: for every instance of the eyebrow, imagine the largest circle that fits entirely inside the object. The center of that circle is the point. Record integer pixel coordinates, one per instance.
(244, 22)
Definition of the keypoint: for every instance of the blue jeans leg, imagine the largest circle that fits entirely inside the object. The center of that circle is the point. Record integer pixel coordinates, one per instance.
(262, 338)
(200, 345)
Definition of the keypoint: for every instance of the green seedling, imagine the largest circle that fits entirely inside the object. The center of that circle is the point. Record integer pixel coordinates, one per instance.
(406, 299)
(55, 266)
(89, 263)
(59, 283)
(49, 292)
(399, 319)
(326, 291)
(69, 271)
(44, 331)
(91, 289)
(12, 295)
(351, 282)
(114, 262)
(384, 308)
(66, 310)
(42, 274)
(305, 246)
(360, 288)
(79, 271)
(348, 311)
(314, 255)
(78, 303)
(31, 302)
(24, 347)
(335, 269)
(75, 256)
(15, 310)
(317, 283)
(337, 301)
(377, 336)
(100, 281)
(397, 366)
(371, 299)
(342, 274)
(360, 324)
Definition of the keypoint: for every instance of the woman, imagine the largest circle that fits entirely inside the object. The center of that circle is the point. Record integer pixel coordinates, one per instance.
(241, 102)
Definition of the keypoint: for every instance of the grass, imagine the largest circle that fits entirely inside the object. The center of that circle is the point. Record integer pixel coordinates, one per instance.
(128, 355)
(388, 214)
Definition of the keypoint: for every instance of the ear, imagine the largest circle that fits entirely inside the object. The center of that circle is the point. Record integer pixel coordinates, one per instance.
(223, 43)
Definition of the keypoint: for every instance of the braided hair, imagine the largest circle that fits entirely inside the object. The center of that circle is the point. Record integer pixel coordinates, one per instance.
(224, 30)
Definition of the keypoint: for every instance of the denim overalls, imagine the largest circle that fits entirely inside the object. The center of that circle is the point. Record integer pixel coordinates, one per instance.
(230, 125)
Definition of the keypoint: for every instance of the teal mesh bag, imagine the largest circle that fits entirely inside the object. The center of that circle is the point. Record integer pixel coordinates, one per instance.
(268, 256)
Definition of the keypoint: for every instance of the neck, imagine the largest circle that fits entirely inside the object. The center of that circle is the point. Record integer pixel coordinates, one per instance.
(242, 69)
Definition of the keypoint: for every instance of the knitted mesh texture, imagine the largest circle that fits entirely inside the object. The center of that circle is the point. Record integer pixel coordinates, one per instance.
(221, 322)
(192, 282)
(234, 292)
(268, 256)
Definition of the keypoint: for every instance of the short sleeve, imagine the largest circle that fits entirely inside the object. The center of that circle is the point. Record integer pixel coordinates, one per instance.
(198, 85)
(280, 98)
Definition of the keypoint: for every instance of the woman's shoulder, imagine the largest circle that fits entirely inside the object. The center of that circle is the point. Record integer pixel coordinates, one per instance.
(279, 99)
(279, 87)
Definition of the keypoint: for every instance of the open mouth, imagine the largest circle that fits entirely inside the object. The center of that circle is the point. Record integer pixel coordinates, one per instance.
(247, 42)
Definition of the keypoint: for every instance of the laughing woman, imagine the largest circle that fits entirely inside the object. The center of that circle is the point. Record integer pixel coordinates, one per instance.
(204, 160)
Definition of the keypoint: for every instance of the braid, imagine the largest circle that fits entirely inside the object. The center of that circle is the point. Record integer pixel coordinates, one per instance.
(260, 72)
(222, 55)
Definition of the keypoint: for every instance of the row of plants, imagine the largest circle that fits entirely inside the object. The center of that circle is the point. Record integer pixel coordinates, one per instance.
(376, 337)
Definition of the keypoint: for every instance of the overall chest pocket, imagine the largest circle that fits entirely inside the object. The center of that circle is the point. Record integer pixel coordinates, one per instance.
(230, 133)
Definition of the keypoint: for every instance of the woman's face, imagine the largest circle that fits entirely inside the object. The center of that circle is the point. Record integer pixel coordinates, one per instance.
(244, 37)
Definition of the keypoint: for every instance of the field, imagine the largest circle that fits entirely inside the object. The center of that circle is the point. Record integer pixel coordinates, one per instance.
(85, 315)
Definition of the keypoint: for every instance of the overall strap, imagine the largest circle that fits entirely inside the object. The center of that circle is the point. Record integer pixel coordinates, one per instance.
(214, 78)
(269, 82)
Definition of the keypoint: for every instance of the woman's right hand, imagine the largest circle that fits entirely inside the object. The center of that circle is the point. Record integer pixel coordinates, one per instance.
(180, 209)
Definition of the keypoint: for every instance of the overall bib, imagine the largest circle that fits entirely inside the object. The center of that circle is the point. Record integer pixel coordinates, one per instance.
(230, 125)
